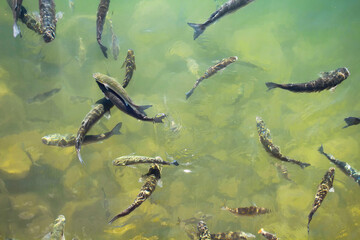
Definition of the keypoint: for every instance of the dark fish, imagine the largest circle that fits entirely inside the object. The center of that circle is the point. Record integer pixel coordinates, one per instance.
(102, 106)
(344, 166)
(351, 121)
(119, 97)
(30, 21)
(48, 19)
(146, 190)
(100, 21)
(204, 233)
(270, 147)
(325, 186)
(247, 211)
(130, 67)
(115, 42)
(211, 71)
(327, 80)
(283, 171)
(232, 236)
(131, 160)
(228, 7)
(68, 140)
(43, 96)
(267, 235)
(16, 10)
(106, 204)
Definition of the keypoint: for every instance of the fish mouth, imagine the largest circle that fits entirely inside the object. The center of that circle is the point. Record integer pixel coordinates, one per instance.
(347, 72)
(44, 140)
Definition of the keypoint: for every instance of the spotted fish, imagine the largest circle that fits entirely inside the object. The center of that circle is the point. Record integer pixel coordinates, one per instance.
(101, 107)
(325, 186)
(100, 21)
(204, 233)
(247, 211)
(152, 177)
(228, 7)
(30, 22)
(270, 147)
(211, 71)
(327, 80)
(267, 235)
(130, 67)
(232, 236)
(351, 121)
(58, 230)
(131, 160)
(48, 19)
(344, 166)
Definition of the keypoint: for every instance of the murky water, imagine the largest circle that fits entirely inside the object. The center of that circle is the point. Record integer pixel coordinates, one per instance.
(215, 138)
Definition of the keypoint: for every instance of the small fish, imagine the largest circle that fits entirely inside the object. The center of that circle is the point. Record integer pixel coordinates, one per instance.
(81, 58)
(325, 186)
(327, 80)
(100, 21)
(80, 99)
(119, 97)
(57, 231)
(16, 10)
(270, 147)
(204, 233)
(228, 7)
(211, 71)
(48, 19)
(43, 96)
(71, 5)
(283, 171)
(131, 160)
(30, 21)
(98, 111)
(106, 204)
(344, 166)
(267, 235)
(232, 236)
(247, 211)
(351, 121)
(115, 42)
(68, 140)
(129, 63)
(146, 190)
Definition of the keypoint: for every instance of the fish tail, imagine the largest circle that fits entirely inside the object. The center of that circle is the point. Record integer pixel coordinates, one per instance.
(79, 156)
(271, 85)
(16, 30)
(103, 49)
(198, 29)
(175, 163)
(321, 149)
(350, 121)
(304, 165)
(114, 219)
(189, 93)
(159, 118)
(144, 107)
(116, 129)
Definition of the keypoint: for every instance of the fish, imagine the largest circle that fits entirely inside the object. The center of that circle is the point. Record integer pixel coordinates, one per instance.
(48, 19)
(327, 80)
(114, 42)
(247, 211)
(100, 21)
(119, 97)
(232, 236)
(129, 63)
(15, 6)
(211, 71)
(57, 230)
(28, 155)
(324, 187)
(71, 5)
(152, 177)
(194, 220)
(106, 204)
(68, 140)
(228, 7)
(351, 121)
(101, 107)
(267, 235)
(80, 99)
(204, 233)
(283, 171)
(270, 147)
(131, 160)
(344, 166)
(30, 21)
(43, 96)
(81, 58)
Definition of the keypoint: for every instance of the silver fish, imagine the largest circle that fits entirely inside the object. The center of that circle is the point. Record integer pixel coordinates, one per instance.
(58, 230)
(131, 160)
(114, 42)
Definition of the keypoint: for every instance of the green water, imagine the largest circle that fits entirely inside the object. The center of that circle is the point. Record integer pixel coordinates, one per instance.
(217, 140)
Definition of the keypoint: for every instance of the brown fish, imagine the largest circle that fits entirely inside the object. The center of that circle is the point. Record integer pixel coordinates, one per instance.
(232, 236)
(146, 190)
(325, 186)
(267, 235)
(327, 80)
(211, 71)
(247, 211)
(100, 21)
(30, 22)
(130, 67)
(48, 19)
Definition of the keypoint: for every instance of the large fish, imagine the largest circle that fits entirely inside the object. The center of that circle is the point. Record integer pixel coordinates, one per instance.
(100, 21)
(211, 71)
(57, 230)
(228, 7)
(204, 233)
(351, 121)
(119, 97)
(270, 147)
(327, 80)
(16, 10)
(98, 111)
(267, 235)
(129, 63)
(232, 236)
(68, 140)
(31, 22)
(48, 19)
(247, 211)
(152, 177)
(43, 96)
(114, 42)
(131, 160)
(344, 166)
(325, 186)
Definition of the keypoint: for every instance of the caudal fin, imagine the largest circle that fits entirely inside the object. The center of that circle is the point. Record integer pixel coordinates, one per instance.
(79, 156)
(321, 149)
(198, 29)
(189, 93)
(16, 30)
(103, 49)
(271, 85)
(351, 121)
(175, 163)
(116, 129)
(304, 165)
(159, 117)
(144, 107)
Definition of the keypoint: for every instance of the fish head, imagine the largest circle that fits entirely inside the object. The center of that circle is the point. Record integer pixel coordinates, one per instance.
(130, 53)
(46, 139)
(201, 226)
(49, 36)
(155, 169)
(344, 72)
(108, 83)
(259, 120)
(233, 59)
